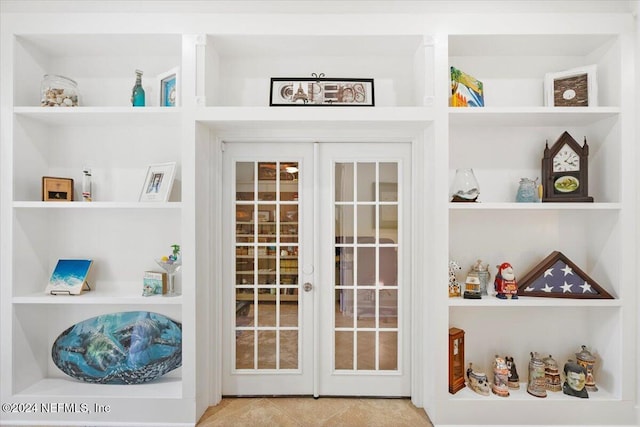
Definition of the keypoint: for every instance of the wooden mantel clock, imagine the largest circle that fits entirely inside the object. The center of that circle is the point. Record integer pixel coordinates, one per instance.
(456, 360)
(565, 171)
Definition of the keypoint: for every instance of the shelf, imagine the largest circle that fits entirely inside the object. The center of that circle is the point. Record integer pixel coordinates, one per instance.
(102, 116)
(529, 116)
(164, 388)
(266, 297)
(534, 206)
(533, 302)
(97, 205)
(97, 297)
(466, 394)
(330, 118)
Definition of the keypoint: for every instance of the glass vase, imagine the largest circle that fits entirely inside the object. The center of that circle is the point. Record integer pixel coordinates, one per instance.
(171, 267)
(465, 187)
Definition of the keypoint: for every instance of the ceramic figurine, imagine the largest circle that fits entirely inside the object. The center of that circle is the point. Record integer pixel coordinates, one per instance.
(514, 378)
(500, 385)
(536, 385)
(587, 360)
(478, 381)
(505, 283)
(454, 285)
(472, 286)
(551, 374)
(574, 380)
(483, 274)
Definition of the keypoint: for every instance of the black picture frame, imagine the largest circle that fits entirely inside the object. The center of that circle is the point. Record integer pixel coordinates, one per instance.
(321, 92)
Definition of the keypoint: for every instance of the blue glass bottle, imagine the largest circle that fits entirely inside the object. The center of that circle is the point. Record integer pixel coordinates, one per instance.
(137, 94)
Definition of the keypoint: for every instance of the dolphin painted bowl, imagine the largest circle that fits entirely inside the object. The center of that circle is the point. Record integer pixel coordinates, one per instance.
(131, 347)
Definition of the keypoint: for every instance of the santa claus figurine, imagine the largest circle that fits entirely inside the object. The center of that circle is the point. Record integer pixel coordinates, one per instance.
(505, 282)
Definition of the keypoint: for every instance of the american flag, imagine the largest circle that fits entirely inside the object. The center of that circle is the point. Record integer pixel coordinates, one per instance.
(557, 277)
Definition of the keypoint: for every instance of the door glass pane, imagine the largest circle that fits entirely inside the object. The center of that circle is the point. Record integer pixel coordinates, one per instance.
(344, 223)
(267, 349)
(266, 263)
(366, 223)
(366, 351)
(366, 181)
(289, 350)
(345, 307)
(366, 268)
(344, 266)
(344, 182)
(344, 350)
(245, 181)
(244, 349)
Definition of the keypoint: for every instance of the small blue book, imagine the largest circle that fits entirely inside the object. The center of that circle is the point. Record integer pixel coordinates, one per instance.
(69, 277)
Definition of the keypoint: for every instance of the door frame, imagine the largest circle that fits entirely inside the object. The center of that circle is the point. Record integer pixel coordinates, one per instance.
(423, 146)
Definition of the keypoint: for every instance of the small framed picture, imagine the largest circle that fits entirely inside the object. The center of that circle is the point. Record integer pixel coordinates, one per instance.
(264, 216)
(168, 88)
(577, 87)
(57, 189)
(158, 182)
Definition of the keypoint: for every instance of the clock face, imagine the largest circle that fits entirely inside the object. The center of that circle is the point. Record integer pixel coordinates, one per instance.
(566, 160)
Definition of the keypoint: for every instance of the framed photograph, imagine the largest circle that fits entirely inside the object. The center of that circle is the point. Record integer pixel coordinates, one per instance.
(158, 182)
(315, 91)
(577, 87)
(57, 189)
(264, 216)
(168, 87)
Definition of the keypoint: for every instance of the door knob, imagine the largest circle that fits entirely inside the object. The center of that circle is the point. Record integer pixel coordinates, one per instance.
(307, 287)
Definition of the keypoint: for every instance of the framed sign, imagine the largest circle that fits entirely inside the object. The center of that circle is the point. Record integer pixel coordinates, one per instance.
(572, 88)
(57, 189)
(320, 91)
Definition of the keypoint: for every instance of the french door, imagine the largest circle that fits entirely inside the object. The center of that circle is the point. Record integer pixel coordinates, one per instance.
(316, 269)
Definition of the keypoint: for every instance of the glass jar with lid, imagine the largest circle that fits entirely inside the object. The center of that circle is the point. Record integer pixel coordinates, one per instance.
(58, 91)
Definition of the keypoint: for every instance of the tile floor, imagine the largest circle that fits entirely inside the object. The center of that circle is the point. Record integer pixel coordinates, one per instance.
(309, 412)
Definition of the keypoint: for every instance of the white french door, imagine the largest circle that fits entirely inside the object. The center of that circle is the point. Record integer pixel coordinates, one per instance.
(316, 269)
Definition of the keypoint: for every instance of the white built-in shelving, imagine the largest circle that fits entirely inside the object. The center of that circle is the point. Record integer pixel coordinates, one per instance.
(226, 62)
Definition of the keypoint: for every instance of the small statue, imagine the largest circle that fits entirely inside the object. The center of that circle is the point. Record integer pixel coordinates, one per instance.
(478, 381)
(505, 283)
(575, 378)
(514, 378)
(454, 285)
(500, 385)
(536, 385)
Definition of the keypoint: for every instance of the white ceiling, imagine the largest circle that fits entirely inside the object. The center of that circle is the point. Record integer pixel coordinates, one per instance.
(321, 6)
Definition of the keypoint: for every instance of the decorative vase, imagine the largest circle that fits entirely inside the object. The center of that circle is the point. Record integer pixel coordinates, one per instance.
(465, 187)
(137, 93)
(527, 191)
(171, 268)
